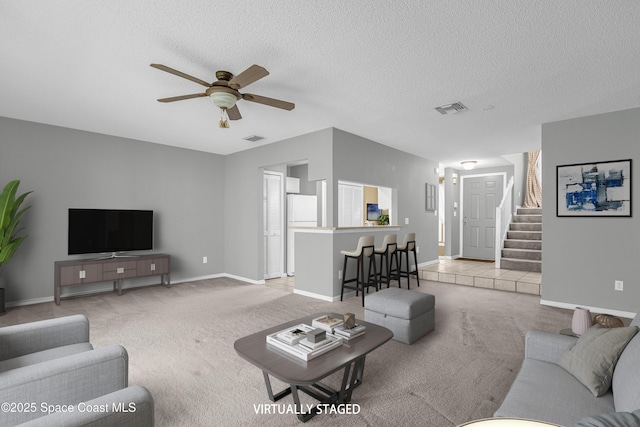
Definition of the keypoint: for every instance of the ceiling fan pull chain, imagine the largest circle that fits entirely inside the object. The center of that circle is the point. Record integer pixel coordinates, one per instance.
(224, 119)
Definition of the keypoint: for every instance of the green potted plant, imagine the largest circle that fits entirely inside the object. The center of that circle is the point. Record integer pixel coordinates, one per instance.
(10, 214)
(383, 220)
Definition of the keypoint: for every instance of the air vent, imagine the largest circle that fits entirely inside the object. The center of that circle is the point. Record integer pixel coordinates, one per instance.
(253, 138)
(456, 107)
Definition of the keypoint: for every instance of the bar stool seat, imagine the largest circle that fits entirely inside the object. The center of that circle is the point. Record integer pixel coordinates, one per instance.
(409, 245)
(366, 247)
(388, 254)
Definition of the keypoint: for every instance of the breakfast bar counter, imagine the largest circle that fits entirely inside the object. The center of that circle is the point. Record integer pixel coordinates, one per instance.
(319, 262)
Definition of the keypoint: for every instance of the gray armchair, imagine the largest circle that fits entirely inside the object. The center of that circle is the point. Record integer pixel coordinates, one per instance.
(51, 375)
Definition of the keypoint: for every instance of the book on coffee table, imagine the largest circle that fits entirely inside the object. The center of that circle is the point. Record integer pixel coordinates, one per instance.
(327, 323)
(299, 350)
(291, 336)
(349, 333)
(315, 345)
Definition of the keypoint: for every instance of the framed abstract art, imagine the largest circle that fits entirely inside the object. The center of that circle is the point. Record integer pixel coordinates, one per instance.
(598, 189)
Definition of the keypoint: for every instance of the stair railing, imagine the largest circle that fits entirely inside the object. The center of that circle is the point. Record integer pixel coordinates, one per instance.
(504, 213)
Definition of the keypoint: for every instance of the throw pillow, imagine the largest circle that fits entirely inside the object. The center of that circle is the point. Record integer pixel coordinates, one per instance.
(613, 419)
(594, 356)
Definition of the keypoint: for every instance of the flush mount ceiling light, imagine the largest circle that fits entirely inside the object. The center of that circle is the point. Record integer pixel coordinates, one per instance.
(456, 107)
(468, 164)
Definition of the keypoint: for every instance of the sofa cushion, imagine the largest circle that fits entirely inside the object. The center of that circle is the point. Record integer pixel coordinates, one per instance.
(544, 391)
(594, 356)
(614, 419)
(626, 377)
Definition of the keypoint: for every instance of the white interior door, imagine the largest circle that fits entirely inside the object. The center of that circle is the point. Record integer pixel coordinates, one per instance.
(273, 224)
(481, 196)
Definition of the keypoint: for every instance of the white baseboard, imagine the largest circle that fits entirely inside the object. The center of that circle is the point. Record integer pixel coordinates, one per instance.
(29, 301)
(316, 296)
(449, 257)
(32, 301)
(244, 279)
(427, 263)
(625, 314)
(193, 279)
(218, 275)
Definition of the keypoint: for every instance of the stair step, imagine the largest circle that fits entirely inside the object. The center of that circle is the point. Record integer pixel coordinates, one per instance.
(523, 244)
(527, 218)
(525, 226)
(529, 254)
(529, 211)
(521, 265)
(524, 235)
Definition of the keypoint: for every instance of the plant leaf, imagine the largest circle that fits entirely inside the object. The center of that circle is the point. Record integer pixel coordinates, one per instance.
(6, 252)
(10, 214)
(7, 200)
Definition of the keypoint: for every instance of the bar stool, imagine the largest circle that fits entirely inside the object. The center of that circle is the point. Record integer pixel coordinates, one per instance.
(365, 248)
(388, 253)
(409, 245)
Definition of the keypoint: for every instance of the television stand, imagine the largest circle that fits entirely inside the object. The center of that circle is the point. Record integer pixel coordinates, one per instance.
(116, 269)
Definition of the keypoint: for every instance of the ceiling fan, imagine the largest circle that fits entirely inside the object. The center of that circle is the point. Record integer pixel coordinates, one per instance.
(224, 91)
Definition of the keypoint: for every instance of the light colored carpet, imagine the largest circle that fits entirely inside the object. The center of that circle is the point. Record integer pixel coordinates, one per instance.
(180, 344)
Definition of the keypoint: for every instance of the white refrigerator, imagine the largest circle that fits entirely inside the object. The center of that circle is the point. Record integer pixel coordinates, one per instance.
(302, 211)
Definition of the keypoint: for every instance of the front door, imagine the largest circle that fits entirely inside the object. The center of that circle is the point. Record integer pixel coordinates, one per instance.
(482, 194)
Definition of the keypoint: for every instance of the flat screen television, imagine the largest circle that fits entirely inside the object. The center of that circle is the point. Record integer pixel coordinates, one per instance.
(109, 230)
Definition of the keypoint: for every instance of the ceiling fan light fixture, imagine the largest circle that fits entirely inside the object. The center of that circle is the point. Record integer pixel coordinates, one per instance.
(468, 164)
(223, 99)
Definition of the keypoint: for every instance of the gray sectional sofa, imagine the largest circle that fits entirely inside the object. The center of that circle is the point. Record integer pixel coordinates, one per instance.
(50, 375)
(544, 390)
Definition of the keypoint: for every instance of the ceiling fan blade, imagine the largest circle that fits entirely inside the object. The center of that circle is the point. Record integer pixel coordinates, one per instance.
(269, 101)
(234, 113)
(180, 98)
(248, 76)
(181, 74)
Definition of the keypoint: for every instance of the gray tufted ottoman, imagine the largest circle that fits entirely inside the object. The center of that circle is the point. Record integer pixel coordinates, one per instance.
(408, 314)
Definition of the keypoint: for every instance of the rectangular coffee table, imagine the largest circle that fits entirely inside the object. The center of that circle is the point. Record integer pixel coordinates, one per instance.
(306, 375)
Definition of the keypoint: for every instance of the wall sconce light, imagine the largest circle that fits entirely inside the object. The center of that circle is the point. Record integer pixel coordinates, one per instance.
(454, 178)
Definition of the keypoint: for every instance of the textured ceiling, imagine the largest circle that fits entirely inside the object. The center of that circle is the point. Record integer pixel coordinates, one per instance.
(374, 68)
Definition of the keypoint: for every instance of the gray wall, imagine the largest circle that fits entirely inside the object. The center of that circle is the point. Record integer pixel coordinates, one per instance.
(302, 173)
(583, 256)
(519, 176)
(244, 251)
(382, 166)
(330, 153)
(205, 204)
(68, 168)
(452, 223)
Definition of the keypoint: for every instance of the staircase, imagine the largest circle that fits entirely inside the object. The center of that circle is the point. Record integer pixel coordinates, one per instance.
(523, 245)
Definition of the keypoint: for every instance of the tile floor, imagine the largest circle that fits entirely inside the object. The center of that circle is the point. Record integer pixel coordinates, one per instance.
(482, 275)
(282, 283)
(460, 272)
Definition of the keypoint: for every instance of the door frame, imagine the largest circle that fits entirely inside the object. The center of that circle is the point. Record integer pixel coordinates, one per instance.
(460, 220)
(282, 223)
